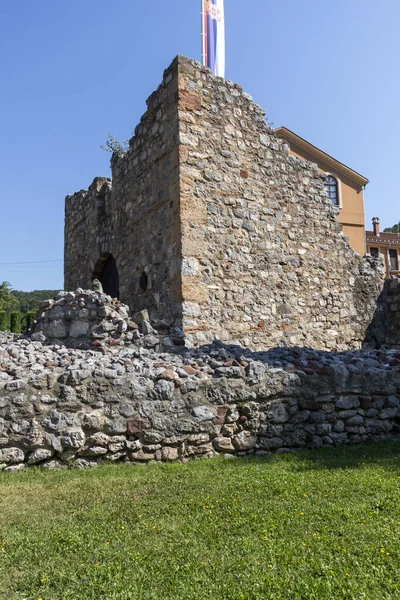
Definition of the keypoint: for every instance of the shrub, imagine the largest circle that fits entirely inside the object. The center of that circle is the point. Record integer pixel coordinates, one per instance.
(29, 319)
(114, 146)
(15, 322)
(3, 320)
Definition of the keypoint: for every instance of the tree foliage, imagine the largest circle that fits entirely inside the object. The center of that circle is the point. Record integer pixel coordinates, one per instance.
(29, 301)
(17, 309)
(28, 320)
(15, 322)
(3, 320)
(394, 229)
(8, 302)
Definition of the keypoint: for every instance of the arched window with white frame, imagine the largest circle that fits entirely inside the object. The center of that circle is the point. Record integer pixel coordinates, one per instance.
(332, 189)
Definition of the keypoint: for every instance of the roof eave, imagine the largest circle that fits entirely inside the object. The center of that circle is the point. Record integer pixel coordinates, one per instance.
(323, 156)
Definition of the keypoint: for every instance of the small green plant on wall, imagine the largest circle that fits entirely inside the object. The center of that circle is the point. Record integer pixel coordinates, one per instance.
(114, 146)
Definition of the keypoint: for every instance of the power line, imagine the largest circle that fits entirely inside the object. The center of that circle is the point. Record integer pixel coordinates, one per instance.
(17, 268)
(11, 276)
(31, 262)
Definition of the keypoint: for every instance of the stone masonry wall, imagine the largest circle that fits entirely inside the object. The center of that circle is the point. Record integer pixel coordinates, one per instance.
(83, 319)
(92, 320)
(87, 232)
(384, 330)
(393, 312)
(62, 407)
(137, 219)
(215, 228)
(264, 259)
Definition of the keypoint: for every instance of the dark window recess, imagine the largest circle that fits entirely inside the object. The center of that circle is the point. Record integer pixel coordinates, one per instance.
(374, 251)
(143, 281)
(110, 278)
(101, 200)
(394, 263)
(331, 188)
(100, 206)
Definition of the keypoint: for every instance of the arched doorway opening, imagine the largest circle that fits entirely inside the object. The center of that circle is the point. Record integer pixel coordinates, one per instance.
(107, 273)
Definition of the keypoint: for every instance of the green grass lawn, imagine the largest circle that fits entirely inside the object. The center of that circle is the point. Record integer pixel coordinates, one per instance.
(317, 524)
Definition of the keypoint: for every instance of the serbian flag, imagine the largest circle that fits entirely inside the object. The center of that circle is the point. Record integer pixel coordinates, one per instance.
(214, 36)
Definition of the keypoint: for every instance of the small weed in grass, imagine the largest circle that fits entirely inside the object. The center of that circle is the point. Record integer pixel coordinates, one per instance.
(314, 525)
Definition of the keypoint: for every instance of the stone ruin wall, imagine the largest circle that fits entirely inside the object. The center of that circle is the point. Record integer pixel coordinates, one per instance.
(264, 259)
(236, 237)
(392, 319)
(86, 231)
(136, 219)
(119, 396)
(94, 414)
(238, 242)
(384, 329)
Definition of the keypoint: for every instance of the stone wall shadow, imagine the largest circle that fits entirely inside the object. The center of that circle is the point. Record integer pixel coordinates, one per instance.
(270, 356)
(384, 454)
(376, 335)
(384, 329)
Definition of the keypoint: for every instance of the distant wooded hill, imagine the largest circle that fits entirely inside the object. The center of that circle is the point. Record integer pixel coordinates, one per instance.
(29, 301)
(18, 309)
(394, 229)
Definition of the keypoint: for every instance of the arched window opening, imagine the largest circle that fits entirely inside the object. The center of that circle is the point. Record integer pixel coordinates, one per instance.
(331, 188)
(143, 282)
(110, 277)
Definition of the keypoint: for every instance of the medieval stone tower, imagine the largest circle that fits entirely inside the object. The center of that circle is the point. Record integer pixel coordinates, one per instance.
(211, 225)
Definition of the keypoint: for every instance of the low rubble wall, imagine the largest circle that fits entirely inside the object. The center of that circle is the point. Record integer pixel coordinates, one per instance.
(61, 406)
(88, 319)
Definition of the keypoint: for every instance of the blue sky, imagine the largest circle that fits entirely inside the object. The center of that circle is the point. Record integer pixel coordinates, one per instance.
(74, 70)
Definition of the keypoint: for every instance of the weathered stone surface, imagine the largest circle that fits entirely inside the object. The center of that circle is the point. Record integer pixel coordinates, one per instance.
(85, 463)
(93, 420)
(51, 465)
(244, 440)
(39, 455)
(271, 443)
(15, 468)
(203, 413)
(209, 221)
(168, 453)
(223, 444)
(14, 385)
(277, 413)
(388, 413)
(384, 330)
(348, 402)
(122, 409)
(78, 329)
(163, 390)
(356, 420)
(11, 455)
(73, 438)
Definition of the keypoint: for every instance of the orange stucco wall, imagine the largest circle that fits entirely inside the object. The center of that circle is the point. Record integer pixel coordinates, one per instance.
(351, 199)
(356, 235)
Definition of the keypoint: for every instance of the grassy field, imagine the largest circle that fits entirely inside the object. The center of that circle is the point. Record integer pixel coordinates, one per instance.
(317, 524)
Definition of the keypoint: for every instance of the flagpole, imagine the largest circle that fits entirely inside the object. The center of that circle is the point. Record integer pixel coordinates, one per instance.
(203, 34)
